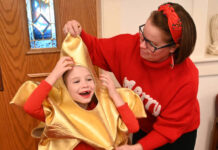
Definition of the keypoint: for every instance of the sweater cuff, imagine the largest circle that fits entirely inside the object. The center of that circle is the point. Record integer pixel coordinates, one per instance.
(46, 86)
(153, 140)
(82, 34)
(122, 108)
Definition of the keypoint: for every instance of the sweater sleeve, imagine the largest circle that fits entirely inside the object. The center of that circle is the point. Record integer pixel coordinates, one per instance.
(128, 118)
(110, 53)
(33, 105)
(179, 116)
(97, 49)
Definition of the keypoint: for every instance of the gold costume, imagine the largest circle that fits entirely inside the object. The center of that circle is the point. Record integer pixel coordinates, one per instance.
(67, 124)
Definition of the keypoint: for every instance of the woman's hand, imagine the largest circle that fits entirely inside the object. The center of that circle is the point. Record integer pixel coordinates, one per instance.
(73, 27)
(109, 83)
(130, 147)
(64, 64)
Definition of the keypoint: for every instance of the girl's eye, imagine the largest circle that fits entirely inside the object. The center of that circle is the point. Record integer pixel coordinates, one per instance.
(90, 79)
(77, 81)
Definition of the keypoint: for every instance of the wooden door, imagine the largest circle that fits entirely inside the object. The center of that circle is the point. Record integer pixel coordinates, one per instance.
(17, 61)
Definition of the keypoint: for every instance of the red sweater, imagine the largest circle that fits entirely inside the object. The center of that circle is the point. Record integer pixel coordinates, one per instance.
(169, 95)
(33, 106)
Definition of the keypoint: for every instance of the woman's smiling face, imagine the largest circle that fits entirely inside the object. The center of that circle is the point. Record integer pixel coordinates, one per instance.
(80, 84)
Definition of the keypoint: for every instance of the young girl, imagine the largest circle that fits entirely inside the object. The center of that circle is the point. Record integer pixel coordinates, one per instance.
(79, 111)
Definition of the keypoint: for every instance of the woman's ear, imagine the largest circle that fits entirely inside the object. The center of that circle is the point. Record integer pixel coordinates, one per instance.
(174, 47)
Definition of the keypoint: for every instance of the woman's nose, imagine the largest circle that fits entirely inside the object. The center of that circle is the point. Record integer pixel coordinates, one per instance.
(142, 44)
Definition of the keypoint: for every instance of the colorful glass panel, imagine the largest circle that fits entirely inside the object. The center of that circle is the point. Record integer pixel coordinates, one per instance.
(41, 23)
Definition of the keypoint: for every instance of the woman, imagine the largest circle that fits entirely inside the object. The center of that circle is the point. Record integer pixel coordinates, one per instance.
(155, 64)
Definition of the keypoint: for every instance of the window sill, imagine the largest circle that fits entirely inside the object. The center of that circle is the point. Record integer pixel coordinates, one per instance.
(207, 65)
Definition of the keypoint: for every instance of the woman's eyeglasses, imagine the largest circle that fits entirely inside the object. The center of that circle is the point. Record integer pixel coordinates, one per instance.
(149, 44)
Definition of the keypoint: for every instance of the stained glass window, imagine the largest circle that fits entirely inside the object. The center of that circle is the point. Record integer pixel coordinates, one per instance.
(41, 23)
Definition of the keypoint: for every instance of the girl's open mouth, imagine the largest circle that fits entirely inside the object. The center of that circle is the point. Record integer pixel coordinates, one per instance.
(85, 94)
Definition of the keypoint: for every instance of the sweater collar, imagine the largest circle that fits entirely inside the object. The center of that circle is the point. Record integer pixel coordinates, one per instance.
(163, 64)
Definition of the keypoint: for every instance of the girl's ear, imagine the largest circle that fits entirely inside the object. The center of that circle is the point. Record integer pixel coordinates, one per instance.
(174, 47)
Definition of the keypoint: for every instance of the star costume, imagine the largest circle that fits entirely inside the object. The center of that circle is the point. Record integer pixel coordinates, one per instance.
(66, 123)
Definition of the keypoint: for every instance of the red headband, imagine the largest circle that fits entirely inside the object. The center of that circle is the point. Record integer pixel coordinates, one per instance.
(174, 22)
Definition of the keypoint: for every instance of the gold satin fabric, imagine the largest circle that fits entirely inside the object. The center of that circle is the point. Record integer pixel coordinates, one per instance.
(67, 123)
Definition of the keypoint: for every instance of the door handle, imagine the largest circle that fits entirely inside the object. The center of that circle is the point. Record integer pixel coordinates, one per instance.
(1, 82)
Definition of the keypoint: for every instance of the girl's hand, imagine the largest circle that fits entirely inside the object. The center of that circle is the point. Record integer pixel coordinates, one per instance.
(73, 27)
(108, 82)
(64, 64)
(130, 147)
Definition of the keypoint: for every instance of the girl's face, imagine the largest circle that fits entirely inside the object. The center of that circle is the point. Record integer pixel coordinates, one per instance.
(156, 36)
(80, 84)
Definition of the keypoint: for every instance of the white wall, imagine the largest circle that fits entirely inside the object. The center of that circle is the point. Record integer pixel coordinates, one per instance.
(124, 16)
(208, 88)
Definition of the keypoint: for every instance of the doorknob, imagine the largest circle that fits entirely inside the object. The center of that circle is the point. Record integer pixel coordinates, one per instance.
(1, 82)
